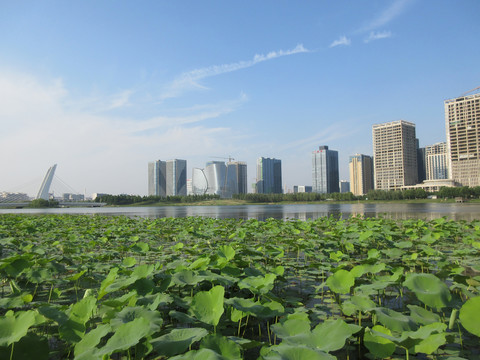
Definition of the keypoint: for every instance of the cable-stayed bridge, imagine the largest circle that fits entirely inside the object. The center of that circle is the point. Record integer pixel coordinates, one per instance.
(50, 182)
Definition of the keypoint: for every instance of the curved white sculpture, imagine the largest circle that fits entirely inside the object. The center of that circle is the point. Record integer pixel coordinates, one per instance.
(47, 181)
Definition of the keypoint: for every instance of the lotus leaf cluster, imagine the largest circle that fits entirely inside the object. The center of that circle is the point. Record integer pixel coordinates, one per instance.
(98, 287)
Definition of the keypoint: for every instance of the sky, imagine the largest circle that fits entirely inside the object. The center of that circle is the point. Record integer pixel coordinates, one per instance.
(101, 88)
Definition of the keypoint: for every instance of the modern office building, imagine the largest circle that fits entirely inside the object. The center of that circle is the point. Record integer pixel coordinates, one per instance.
(394, 155)
(220, 179)
(325, 177)
(237, 170)
(361, 174)
(216, 175)
(157, 178)
(344, 186)
(436, 160)
(462, 120)
(269, 176)
(421, 164)
(199, 182)
(176, 177)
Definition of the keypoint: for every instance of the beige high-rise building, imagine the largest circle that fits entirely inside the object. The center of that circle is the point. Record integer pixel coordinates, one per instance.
(462, 120)
(361, 174)
(394, 155)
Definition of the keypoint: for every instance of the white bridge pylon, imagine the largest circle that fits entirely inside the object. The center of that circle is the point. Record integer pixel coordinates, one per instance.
(47, 181)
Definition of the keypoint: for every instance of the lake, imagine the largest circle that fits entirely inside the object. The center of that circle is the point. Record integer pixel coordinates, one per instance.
(427, 211)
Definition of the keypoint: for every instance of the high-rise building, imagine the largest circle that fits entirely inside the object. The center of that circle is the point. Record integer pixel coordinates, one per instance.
(462, 120)
(421, 163)
(325, 171)
(216, 173)
(269, 176)
(436, 160)
(361, 174)
(157, 178)
(344, 186)
(237, 171)
(394, 155)
(220, 179)
(176, 177)
(199, 182)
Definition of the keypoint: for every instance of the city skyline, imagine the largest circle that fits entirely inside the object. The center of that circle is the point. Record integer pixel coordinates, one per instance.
(101, 89)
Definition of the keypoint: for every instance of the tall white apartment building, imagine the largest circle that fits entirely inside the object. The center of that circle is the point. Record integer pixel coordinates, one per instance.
(394, 155)
(436, 161)
(462, 121)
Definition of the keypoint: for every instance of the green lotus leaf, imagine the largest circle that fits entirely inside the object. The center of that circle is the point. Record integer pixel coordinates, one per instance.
(87, 345)
(223, 346)
(177, 341)
(423, 316)
(248, 306)
(31, 346)
(207, 306)
(430, 344)
(258, 284)
(14, 327)
(332, 334)
(140, 247)
(76, 276)
(79, 313)
(394, 320)
(365, 235)
(295, 352)
(142, 271)
(202, 354)
(470, 315)
(226, 251)
(359, 270)
(186, 277)
(130, 313)
(341, 281)
(429, 289)
(112, 275)
(129, 262)
(404, 244)
(425, 331)
(200, 263)
(126, 336)
(15, 265)
(291, 327)
(379, 346)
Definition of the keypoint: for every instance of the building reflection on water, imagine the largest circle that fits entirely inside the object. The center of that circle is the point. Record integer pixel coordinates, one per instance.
(426, 211)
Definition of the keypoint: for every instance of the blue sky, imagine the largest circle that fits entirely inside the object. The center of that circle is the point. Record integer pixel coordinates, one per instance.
(103, 87)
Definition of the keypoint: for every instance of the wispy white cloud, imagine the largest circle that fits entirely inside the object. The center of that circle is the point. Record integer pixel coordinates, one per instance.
(386, 16)
(120, 100)
(377, 36)
(190, 80)
(343, 40)
(190, 115)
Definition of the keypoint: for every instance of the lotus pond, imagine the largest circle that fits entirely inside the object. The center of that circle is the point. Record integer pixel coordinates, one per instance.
(95, 287)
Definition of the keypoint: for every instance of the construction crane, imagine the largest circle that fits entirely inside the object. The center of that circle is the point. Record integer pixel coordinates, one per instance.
(469, 91)
(230, 158)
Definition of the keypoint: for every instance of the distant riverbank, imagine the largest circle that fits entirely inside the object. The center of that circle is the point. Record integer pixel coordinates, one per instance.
(236, 202)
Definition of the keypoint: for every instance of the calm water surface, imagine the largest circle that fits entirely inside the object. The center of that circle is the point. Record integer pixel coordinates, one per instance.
(426, 211)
